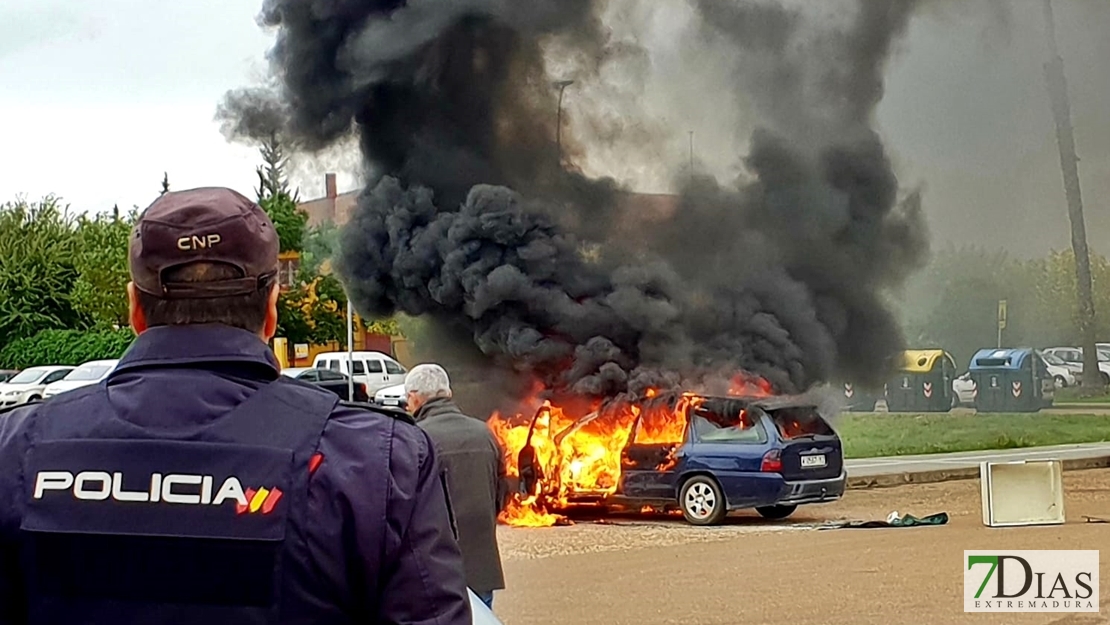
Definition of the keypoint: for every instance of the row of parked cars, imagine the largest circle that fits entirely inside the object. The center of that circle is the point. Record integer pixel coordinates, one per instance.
(1071, 359)
(377, 377)
(34, 383)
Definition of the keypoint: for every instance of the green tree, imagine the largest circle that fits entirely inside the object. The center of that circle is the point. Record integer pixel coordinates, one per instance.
(313, 312)
(319, 246)
(288, 220)
(275, 198)
(65, 347)
(953, 303)
(329, 310)
(100, 293)
(38, 268)
(293, 324)
(1055, 310)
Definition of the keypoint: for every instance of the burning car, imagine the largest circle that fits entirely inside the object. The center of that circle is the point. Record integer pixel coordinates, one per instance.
(702, 455)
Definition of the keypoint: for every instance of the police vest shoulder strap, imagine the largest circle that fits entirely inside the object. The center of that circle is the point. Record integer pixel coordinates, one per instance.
(396, 413)
(285, 414)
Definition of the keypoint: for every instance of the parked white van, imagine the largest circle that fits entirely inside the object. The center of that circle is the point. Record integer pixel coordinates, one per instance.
(374, 369)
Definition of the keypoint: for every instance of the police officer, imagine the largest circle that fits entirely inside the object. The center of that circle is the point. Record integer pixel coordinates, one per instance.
(197, 485)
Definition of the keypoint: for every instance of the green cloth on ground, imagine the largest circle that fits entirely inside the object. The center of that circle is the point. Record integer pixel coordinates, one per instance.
(941, 518)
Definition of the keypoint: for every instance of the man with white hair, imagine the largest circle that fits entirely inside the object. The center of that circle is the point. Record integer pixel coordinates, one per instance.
(475, 473)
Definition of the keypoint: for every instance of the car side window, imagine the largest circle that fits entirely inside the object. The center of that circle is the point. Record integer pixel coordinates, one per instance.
(54, 377)
(393, 368)
(657, 425)
(333, 365)
(309, 376)
(331, 376)
(374, 366)
(357, 367)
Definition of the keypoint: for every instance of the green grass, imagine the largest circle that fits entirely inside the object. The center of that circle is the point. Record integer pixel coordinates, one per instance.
(874, 435)
(1080, 396)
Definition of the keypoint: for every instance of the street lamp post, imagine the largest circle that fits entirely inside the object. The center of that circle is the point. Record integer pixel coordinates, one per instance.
(562, 85)
(350, 351)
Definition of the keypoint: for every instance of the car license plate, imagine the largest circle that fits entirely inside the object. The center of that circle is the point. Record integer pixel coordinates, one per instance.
(814, 461)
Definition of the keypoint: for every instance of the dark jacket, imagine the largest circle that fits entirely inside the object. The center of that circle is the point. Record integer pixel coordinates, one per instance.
(377, 542)
(475, 481)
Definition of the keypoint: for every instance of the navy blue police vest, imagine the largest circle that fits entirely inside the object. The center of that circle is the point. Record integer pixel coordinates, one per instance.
(129, 525)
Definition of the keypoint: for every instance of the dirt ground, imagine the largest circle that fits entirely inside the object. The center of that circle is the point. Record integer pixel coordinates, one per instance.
(656, 571)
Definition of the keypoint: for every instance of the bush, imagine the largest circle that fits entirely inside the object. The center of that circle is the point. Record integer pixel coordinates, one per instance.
(65, 347)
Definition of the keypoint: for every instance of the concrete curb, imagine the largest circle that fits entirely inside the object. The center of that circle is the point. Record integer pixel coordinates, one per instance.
(947, 475)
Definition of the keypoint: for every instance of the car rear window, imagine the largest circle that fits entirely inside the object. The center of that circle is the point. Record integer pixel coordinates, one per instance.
(800, 422)
(726, 426)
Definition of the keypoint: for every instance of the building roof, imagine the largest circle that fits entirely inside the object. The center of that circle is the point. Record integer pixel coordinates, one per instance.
(633, 208)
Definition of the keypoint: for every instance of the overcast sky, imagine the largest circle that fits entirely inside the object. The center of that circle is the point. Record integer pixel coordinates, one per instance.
(100, 98)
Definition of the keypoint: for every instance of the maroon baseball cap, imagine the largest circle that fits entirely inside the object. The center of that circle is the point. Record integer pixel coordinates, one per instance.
(214, 225)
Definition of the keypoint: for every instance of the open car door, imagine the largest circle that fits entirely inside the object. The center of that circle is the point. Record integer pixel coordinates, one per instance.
(531, 472)
(653, 450)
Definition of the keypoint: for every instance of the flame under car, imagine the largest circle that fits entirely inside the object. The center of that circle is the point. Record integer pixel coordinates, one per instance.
(705, 456)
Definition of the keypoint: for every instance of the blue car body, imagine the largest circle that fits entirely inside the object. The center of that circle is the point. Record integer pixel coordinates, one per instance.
(783, 454)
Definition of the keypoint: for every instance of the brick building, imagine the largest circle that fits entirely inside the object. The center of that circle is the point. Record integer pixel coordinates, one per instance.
(333, 207)
(634, 208)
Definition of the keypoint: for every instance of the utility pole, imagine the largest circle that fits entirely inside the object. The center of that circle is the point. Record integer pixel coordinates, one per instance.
(562, 85)
(1065, 139)
(691, 152)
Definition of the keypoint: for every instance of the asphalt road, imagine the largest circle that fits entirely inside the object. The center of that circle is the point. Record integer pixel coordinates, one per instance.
(865, 467)
(754, 572)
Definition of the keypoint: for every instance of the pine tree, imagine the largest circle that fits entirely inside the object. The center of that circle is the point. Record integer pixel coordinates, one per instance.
(271, 176)
(274, 196)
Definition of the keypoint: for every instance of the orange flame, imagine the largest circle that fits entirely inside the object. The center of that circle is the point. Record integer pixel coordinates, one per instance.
(744, 385)
(580, 456)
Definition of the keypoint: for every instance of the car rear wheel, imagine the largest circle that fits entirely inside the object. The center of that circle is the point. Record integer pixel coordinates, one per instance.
(776, 512)
(702, 501)
(1060, 381)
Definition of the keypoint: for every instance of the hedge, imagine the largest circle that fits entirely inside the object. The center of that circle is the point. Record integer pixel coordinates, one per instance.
(65, 347)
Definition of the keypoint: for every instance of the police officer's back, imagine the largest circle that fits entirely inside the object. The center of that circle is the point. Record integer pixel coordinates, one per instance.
(197, 485)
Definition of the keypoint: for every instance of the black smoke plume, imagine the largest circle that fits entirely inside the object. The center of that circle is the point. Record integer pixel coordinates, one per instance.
(474, 221)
